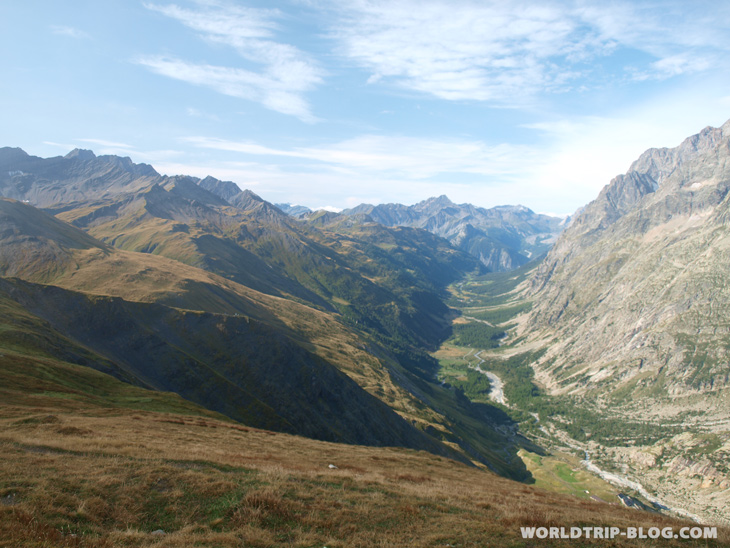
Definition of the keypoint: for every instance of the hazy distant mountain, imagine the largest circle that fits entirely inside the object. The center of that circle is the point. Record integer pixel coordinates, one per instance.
(294, 210)
(502, 238)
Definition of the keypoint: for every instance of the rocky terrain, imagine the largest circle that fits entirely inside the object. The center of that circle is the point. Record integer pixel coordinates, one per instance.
(631, 307)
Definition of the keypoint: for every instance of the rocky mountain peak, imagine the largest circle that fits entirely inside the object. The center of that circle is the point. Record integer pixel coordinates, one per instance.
(503, 237)
(251, 196)
(660, 184)
(10, 154)
(126, 164)
(80, 154)
(434, 203)
(643, 258)
(224, 189)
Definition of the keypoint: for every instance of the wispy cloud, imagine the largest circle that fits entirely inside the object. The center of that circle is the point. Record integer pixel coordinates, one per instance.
(677, 37)
(507, 54)
(672, 65)
(197, 113)
(70, 32)
(481, 51)
(108, 144)
(236, 82)
(283, 73)
(399, 157)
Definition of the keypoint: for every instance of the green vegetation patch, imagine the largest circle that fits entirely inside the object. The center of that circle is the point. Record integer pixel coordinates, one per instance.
(474, 385)
(502, 314)
(478, 335)
(562, 473)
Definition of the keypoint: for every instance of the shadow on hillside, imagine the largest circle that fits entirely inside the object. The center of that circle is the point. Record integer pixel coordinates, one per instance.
(486, 433)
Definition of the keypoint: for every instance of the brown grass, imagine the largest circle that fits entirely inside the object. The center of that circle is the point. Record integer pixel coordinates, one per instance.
(112, 477)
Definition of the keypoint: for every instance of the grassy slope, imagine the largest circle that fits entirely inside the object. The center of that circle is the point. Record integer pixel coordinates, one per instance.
(94, 268)
(113, 463)
(233, 365)
(151, 278)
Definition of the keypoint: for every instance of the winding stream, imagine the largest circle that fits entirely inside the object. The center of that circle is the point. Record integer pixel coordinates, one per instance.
(496, 385)
(496, 393)
(621, 481)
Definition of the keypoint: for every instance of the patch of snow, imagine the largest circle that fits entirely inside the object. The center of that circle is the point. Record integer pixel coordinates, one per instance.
(701, 184)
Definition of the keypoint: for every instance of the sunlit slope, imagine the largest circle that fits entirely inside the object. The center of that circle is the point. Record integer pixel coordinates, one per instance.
(92, 267)
(98, 270)
(149, 278)
(264, 249)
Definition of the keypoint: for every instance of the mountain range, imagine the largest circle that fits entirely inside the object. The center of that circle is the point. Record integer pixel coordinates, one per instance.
(194, 286)
(502, 238)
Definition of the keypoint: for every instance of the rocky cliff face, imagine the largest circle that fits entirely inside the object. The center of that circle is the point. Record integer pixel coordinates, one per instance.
(637, 282)
(631, 306)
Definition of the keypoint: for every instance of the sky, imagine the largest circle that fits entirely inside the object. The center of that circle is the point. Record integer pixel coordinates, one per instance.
(340, 102)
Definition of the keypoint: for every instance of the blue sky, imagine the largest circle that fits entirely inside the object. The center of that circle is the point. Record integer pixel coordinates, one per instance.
(335, 103)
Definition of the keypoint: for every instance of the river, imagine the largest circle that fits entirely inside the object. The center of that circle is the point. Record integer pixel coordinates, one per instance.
(621, 481)
(496, 385)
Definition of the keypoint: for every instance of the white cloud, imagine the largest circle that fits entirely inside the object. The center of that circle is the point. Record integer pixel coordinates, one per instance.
(482, 51)
(675, 65)
(507, 53)
(105, 143)
(403, 157)
(69, 32)
(285, 73)
(236, 82)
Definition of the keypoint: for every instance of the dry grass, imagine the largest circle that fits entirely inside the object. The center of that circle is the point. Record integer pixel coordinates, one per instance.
(86, 476)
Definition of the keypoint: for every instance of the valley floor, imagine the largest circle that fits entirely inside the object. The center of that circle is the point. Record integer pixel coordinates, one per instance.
(666, 469)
